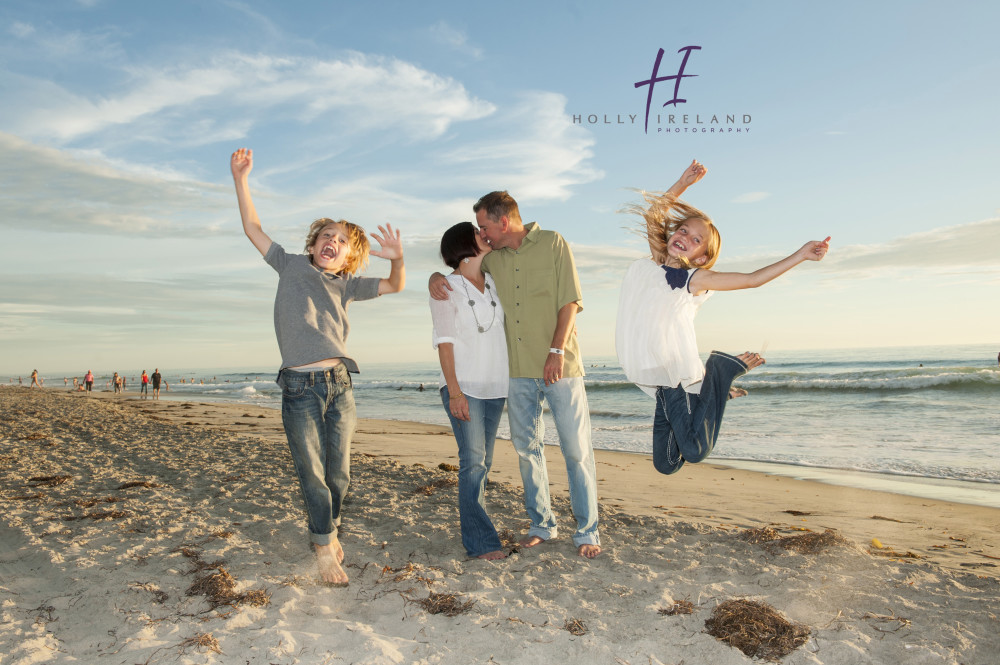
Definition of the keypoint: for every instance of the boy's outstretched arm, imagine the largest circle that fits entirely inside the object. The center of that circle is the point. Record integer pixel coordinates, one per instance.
(692, 174)
(392, 249)
(708, 280)
(241, 164)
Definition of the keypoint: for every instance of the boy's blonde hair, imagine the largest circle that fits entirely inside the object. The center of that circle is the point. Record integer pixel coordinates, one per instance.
(664, 215)
(358, 258)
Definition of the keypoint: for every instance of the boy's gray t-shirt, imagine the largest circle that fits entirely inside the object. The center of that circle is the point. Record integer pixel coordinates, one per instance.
(310, 308)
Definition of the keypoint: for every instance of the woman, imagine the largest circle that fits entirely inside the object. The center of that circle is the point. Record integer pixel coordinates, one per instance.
(469, 338)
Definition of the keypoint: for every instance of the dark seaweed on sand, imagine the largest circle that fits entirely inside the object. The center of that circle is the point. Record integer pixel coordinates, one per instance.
(448, 604)
(756, 629)
(806, 543)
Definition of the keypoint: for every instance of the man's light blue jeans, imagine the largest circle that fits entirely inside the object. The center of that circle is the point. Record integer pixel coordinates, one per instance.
(475, 438)
(567, 401)
(318, 412)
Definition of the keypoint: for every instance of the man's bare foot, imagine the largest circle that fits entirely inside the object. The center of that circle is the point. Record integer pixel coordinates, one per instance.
(493, 556)
(530, 541)
(751, 360)
(329, 557)
(588, 551)
(737, 392)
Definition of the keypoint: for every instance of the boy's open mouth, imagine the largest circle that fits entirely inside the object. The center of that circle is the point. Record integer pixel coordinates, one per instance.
(327, 253)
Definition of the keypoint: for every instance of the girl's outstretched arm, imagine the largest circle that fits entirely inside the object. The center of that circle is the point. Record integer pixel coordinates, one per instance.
(241, 164)
(392, 249)
(709, 280)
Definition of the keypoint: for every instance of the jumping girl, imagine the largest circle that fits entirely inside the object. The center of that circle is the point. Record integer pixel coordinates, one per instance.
(655, 337)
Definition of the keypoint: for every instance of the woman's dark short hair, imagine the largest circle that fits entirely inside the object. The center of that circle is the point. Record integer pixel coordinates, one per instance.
(459, 242)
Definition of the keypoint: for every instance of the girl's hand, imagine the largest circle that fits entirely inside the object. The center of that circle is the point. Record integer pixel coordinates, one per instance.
(241, 162)
(815, 250)
(694, 173)
(459, 407)
(390, 246)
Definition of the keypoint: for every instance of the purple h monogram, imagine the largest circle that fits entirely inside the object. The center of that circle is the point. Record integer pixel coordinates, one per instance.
(653, 79)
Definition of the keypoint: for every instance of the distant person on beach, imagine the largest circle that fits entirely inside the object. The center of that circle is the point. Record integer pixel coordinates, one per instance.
(34, 379)
(156, 378)
(655, 337)
(310, 321)
(469, 337)
(88, 380)
(144, 387)
(543, 361)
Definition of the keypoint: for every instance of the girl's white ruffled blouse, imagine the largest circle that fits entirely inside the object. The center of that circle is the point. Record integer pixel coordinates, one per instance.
(654, 336)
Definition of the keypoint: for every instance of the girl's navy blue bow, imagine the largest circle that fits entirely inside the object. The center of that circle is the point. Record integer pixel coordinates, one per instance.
(676, 277)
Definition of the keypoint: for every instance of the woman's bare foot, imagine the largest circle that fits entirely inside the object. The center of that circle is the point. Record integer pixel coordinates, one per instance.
(588, 551)
(530, 541)
(751, 360)
(493, 556)
(737, 392)
(329, 557)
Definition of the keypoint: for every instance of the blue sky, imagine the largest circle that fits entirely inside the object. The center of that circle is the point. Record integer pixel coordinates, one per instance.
(874, 123)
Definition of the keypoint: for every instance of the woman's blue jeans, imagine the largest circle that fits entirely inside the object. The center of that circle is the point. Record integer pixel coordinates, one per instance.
(686, 426)
(318, 412)
(475, 438)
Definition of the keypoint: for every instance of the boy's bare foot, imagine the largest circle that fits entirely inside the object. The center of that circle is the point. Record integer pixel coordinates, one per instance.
(530, 541)
(737, 392)
(493, 556)
(588, 551)
(751, 360)
(329, 558)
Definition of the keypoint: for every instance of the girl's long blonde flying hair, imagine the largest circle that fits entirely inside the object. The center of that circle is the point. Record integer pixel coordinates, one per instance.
(664, 214)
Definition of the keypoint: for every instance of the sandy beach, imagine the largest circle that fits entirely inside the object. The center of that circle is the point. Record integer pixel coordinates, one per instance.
(144, 532)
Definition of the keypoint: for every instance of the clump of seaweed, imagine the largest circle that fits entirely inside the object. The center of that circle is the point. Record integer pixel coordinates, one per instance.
(448, 604)
(575, 627)
(444, 466)
(138, 483)
(90, 503)
(99, 515)
(48, 481)
(756, 629)
(433, 486)
(679, 607)
(202, 641)
(811, 542)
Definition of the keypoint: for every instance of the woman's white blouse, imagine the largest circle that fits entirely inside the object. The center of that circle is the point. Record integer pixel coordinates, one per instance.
(480, 357)
(654, 336)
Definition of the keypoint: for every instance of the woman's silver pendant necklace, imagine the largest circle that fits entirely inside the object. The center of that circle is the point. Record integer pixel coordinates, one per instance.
(472, 305)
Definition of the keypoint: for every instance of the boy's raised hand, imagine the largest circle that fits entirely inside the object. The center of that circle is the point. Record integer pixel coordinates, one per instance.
(390, 246)
(241, 162)
(815, 250)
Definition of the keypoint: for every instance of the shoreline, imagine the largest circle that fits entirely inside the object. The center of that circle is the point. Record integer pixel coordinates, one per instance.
(966, 492)
(172, 531)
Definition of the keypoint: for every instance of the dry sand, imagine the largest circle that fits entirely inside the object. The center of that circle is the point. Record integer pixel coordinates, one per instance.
(146, 532)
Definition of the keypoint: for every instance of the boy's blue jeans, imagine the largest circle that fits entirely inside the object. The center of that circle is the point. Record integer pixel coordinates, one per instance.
(567, 400)
(475, 438)
(318, 412)
(686, 426)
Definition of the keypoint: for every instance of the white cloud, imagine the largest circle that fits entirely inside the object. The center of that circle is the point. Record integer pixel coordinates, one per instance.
(22, 30)
(540, 156)
(443, 33)
(354, 93)
(751, 197)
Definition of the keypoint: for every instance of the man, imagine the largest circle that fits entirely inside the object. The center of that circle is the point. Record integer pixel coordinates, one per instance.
(156, 378)
(540, 292)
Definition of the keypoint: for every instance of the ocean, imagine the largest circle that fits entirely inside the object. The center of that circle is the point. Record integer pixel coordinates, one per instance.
(923, 421)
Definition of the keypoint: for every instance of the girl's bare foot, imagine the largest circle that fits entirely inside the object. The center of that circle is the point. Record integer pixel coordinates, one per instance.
(329, 557)
(588, 551)
(530, 541)
(493, 556)
(751, 360)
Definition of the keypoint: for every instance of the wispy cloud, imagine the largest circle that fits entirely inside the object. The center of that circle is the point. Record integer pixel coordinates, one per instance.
(354, 93)
(444, 33)
(751, 197)
(946, 249)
